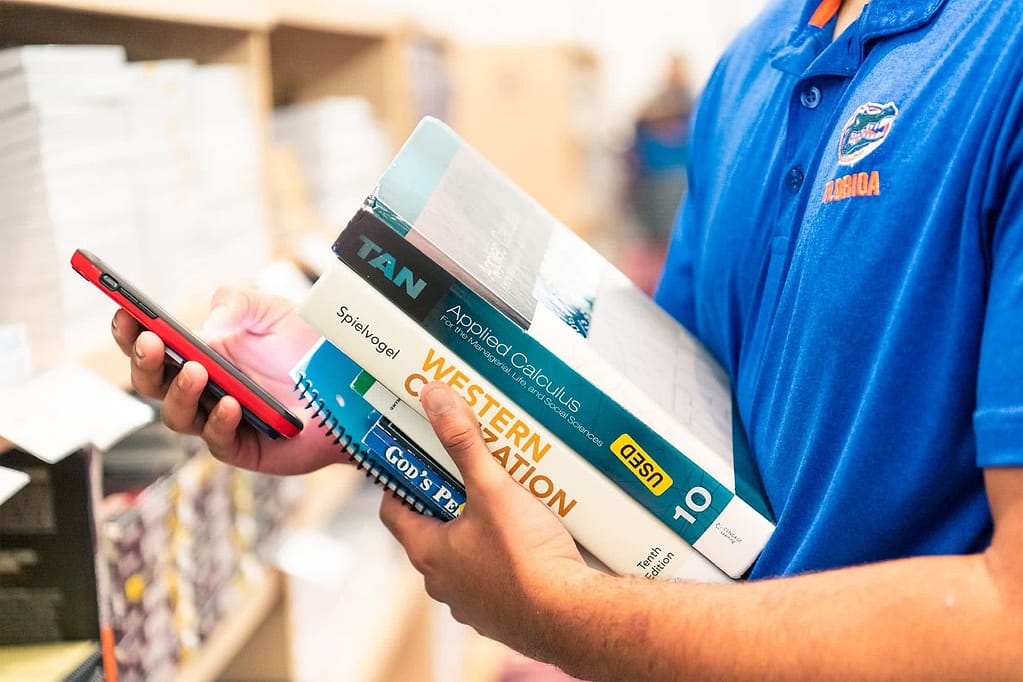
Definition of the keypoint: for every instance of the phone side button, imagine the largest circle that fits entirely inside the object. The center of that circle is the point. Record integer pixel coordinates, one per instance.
(144, 308)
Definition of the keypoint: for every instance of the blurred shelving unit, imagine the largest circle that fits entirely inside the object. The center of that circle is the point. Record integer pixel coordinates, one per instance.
(523, 106)
(237, 13)
(225, 32)
(323, 49)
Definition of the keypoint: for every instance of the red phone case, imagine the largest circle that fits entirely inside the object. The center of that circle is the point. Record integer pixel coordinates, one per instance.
(225, 376)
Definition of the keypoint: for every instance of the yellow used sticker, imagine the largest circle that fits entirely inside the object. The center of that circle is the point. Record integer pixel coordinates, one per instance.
(641, 464)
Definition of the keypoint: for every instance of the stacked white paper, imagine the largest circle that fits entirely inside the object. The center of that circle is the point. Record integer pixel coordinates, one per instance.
(341, 148)
(63, 147)
(155, 167)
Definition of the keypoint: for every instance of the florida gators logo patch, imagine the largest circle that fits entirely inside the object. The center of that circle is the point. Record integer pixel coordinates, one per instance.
(865, 130)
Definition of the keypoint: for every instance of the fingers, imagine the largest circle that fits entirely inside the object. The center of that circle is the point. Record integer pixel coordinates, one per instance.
(235, 309)
(148, 367)
(221, 432)
(459, 432)
(230, 309)
(124, 329)
(181, 410)
(146, 350)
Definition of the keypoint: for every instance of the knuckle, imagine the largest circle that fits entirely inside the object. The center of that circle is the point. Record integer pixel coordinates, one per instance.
(390, 509)
(225, 455)
(459, 614)
(170, 420)
(178, 423)
(146, 384)
(387, 517)
(459, 436)
(433, 590)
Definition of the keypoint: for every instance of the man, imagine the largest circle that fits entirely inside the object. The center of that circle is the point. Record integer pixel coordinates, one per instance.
(852, 250)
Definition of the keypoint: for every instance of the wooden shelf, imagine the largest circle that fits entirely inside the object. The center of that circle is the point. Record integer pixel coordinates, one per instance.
(241, 14)
(311, 60)
(499, 87)
(336, 17)
(44, 661)
(206, 32)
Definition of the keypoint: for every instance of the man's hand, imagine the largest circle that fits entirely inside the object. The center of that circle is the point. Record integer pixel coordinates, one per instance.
(491, 563)
(264, 337)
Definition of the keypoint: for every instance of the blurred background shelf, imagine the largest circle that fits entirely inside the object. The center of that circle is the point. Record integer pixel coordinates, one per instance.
(242, 14)
(343, 18)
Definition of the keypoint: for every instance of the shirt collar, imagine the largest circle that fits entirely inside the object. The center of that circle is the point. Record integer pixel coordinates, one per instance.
(888, 17)
(812, 35)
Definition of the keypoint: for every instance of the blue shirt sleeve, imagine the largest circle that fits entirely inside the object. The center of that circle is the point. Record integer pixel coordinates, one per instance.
(998, 419)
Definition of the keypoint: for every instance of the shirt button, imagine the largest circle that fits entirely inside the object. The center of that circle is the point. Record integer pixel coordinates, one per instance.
(811, 97)
(794, 179)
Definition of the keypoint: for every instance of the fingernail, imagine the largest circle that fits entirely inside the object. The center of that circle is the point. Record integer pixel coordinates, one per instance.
(437, 400)
(138, 351)
(113, 323)
(183, 380)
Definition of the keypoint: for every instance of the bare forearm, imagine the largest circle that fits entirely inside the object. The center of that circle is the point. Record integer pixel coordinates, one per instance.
(923, 618)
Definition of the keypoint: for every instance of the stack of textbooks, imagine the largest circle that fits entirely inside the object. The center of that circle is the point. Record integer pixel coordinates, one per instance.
(590, 396)
(64, 149)
(155, 165)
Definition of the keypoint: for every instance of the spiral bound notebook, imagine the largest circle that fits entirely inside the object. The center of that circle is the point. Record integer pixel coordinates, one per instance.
(324, 380)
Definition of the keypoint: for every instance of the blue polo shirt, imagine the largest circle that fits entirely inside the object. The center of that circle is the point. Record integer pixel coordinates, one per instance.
(851, 249)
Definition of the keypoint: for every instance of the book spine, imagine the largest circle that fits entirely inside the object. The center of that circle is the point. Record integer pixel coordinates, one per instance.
(686, 491)
(398, 467)
(615, 527)
(446, 496)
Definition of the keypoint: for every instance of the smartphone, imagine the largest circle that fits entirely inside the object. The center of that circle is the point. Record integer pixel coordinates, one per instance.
(259, 409)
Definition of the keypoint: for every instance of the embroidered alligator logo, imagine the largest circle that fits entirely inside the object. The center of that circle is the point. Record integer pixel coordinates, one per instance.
(865, 130)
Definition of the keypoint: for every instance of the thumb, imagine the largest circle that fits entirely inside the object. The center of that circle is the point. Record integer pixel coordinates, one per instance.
(237, 310)
(459, 432)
